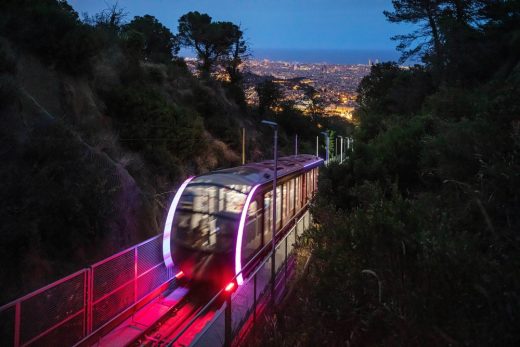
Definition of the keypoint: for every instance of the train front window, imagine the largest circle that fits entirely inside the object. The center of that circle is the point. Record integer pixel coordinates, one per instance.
(207, 217)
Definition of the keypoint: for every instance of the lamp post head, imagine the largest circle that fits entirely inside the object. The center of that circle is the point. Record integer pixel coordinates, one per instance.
(269, 123)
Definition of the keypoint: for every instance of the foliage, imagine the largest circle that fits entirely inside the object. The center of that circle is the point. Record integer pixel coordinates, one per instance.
(158, 44)
(147, 123)
(91, 151)
(52, 31)
(316, 103)
(212, 41)
(269, 95)
(56, 204)
(417, 233)
(238, 53)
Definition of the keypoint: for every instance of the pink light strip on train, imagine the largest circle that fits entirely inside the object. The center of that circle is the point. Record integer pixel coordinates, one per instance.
(167, 254)
(240, 236)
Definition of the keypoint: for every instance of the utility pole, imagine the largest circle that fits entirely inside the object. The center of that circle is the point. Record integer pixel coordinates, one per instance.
(275, 169)
(243, 146)
(296, 144)
(317, 142)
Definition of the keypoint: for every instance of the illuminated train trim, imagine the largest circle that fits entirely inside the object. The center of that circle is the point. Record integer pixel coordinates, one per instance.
(166, 247)
(240, 236)
(264, 173)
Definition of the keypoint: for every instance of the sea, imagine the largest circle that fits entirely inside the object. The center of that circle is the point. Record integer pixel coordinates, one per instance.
(325, 56)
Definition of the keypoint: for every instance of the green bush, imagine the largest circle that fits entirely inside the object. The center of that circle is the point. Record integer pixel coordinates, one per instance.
(52, 31)
(161, 131)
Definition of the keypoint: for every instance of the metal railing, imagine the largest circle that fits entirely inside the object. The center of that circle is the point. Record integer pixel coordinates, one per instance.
(241, 306)
(68, 310)
(72, 308)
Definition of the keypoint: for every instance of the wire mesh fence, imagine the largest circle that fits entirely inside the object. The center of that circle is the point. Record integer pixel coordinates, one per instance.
(66, 311)
(57, 309)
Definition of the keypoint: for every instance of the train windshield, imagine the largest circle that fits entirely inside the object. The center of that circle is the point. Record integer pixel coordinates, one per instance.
(208, 215)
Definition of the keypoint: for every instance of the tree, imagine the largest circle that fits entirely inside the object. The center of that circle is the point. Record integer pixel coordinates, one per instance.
(464, 11)
(316, 102)
(426, 13)
(211, 40)
(237, 54)
(159, 44)
(269, 95)
(111, 18)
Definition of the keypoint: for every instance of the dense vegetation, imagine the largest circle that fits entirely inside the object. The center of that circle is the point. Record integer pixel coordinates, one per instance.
(101, 120)
(417, 241)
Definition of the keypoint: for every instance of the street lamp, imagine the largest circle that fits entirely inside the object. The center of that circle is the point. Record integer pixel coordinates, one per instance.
(326, 134)
(273, 245)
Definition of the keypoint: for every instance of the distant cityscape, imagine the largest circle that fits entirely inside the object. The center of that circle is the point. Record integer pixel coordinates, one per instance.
(334, 85)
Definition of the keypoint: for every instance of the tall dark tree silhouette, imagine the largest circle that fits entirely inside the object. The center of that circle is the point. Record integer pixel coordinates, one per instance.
(426, 14)
(212, 41)
(316, 102)
(269, 95)
(237, 54)
(159, 44)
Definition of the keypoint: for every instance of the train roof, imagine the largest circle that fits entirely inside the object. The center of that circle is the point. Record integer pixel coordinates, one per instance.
(260, 172)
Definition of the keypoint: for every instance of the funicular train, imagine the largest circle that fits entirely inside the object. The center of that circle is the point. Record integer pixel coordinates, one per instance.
(218, 221)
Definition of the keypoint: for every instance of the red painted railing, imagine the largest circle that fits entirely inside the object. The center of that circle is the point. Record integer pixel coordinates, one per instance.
(68, 310)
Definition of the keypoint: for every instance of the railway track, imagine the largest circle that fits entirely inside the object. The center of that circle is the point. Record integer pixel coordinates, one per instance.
(165, 329)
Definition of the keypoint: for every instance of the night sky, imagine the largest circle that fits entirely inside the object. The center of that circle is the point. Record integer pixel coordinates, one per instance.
(279, 24)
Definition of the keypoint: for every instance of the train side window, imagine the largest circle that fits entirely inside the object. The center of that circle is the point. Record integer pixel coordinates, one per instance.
(304, 188)
(268, 217)
(285, 199)
(252, 240)
(278, 207)
(309, 185)
(296, 195)
(291, 197)
(299, 192)
(315, 172)
(312, 186)
(255, 214)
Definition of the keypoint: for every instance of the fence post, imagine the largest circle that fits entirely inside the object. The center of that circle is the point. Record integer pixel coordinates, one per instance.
(85, 302)
(135, 275)
(17, 317)
(285, 268)
(227, 322)
(273, 274)
(296, 231)
(254, 301)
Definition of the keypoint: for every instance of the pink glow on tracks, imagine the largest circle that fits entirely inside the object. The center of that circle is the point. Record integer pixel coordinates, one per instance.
(240, 236)
(167, 254)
